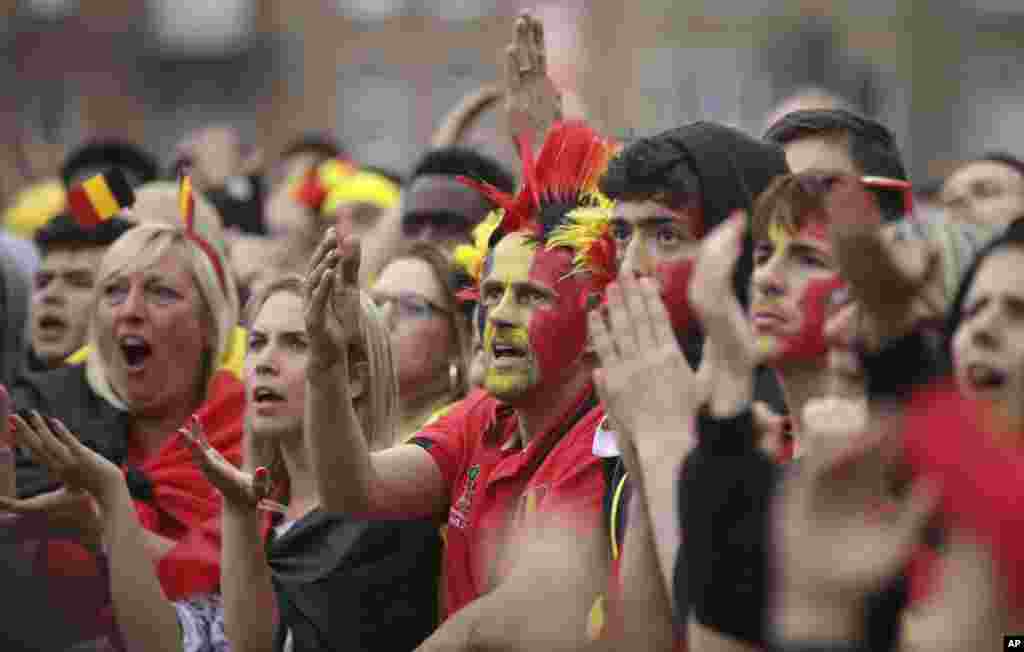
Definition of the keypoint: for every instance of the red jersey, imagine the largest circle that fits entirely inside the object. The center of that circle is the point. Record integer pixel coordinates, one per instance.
(493, 483)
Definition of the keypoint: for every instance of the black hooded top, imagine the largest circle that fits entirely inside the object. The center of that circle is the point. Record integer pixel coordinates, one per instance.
(733, 169)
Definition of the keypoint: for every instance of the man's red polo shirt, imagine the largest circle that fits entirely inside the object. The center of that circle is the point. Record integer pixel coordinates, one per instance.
(493, 483)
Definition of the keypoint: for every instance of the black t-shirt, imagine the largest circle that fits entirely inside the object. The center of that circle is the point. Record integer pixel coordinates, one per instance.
(361, 586)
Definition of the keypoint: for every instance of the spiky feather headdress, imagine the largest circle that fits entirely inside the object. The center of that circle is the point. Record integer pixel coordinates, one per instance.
(558, 204)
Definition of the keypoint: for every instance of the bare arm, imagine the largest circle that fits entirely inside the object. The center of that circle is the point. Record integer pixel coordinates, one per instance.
(249, 602)
(401, 481)
(646, 610)
(146, 618)
(568, 572)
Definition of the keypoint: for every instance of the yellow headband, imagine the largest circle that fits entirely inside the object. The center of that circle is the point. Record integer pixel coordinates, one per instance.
(363, 187)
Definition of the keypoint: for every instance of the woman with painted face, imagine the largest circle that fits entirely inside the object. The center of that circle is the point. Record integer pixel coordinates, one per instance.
(163, 346)
(430, 334)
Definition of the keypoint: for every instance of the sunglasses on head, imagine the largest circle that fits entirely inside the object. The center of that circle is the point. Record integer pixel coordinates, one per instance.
(895, 197)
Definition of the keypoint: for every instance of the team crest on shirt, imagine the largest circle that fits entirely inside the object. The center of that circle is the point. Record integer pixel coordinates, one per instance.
(459, 514)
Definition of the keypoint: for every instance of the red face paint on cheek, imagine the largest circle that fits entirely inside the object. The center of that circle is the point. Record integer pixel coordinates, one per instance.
(809, 342)
(675, 278)
(558, 333)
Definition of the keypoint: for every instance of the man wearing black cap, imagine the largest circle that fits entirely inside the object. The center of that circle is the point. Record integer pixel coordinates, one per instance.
(439, 209)
(63, 287)
(97, 157)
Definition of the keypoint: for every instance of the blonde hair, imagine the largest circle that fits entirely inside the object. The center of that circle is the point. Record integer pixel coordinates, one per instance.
(142, 247)
(379, 411)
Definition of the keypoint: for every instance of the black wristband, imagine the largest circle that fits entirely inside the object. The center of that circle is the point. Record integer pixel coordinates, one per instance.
(726, 436)
(898, 367)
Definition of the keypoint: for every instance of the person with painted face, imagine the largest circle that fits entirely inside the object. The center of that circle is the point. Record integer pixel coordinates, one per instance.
(670, 190)
(721, 569)
(518, 453)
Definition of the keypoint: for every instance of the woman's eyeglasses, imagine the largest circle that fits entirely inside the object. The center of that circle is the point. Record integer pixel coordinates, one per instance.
(410, 306)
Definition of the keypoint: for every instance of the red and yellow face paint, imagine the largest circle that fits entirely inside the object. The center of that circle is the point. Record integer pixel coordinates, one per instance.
(813, 290)
(532, 303)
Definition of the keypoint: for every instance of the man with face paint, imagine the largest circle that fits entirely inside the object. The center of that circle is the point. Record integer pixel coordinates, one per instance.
(670, 190)
(516, 454)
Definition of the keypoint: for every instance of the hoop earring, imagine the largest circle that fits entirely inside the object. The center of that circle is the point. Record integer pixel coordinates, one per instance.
(453, 379)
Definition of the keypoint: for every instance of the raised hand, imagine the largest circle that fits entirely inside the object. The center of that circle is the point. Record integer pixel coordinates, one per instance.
(532, 103)
(645, 381)
(332, 301)
(76, 465)
(239, 488)
(893, 280)
(729, 347)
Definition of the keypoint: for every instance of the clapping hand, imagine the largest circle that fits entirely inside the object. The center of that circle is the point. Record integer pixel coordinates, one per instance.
(646, 383)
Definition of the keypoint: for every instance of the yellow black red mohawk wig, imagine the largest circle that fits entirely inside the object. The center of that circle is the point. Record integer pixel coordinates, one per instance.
(558, 203)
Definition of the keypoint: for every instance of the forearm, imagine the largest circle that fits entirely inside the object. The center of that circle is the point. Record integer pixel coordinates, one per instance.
(646, 610)
(146, 618)
(337, 447)
(246, 585)
(660, 470)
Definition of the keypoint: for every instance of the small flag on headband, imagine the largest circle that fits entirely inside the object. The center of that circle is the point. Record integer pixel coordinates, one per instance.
(186, 201)
(187, 207)
(100, 197)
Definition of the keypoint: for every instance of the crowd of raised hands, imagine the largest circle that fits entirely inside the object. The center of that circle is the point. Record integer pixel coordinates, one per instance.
(677, 393)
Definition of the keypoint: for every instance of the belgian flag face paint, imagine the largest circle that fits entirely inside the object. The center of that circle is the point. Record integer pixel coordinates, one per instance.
(535, 328)
(100, 198)
(794, 281)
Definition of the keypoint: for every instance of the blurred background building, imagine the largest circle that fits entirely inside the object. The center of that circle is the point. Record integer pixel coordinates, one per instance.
(381, 73)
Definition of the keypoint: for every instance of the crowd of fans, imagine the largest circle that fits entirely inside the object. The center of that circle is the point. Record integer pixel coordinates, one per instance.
(705, 390)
